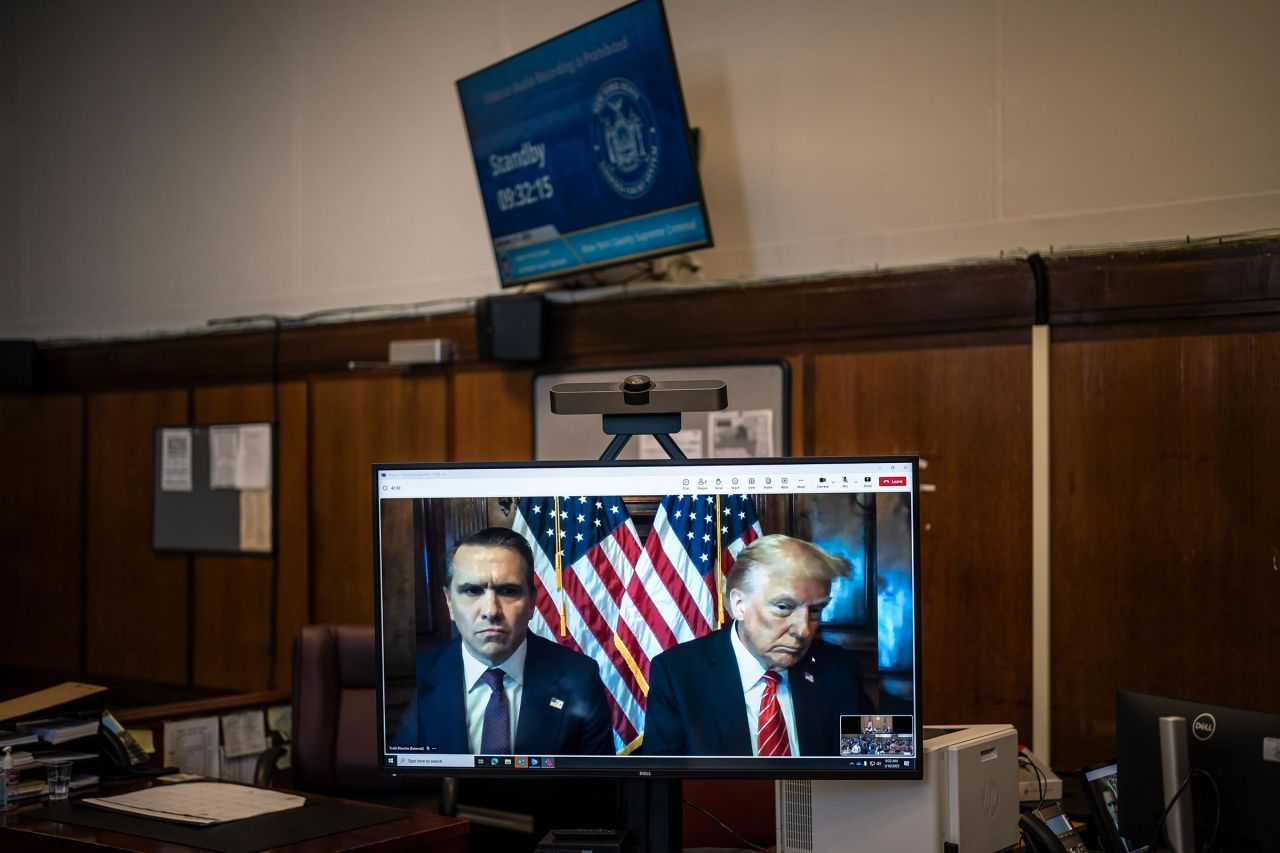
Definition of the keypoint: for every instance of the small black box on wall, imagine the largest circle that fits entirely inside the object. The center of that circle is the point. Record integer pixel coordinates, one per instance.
(510, 328)
(17, 365)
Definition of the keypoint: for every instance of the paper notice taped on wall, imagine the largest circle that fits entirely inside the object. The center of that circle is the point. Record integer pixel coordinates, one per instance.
(175, 460)
(688, 440)
(744, 434)
(192, 746)
(243, 733)
(223, 444)
(255, 520)
(253, 457)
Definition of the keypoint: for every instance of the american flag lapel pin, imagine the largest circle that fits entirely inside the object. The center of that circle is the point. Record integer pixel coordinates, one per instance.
(808, 676)
(558, 704)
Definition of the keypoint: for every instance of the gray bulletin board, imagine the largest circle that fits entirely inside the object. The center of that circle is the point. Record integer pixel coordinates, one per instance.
(213, 488)
(756, 423)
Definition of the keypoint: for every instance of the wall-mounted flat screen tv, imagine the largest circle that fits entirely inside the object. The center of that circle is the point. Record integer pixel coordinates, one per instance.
(582, 149)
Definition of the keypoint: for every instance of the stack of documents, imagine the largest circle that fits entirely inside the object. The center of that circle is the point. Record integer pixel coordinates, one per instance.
(22, 759)
(62, 729)
(199, 803)
(16, 739)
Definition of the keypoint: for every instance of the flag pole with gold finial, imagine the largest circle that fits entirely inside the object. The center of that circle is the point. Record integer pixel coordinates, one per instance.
(564, 615)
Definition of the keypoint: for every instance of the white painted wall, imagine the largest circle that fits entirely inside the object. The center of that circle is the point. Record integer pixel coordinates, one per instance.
(164, 162)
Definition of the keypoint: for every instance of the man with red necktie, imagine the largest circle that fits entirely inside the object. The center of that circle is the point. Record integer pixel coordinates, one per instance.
(793, 688)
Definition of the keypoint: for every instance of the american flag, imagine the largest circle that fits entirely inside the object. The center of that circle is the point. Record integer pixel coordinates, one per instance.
(679, 594)
(600, 593)
(583, 547)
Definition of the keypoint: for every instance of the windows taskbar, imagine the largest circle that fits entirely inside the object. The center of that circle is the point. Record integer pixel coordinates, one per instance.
(728, 764)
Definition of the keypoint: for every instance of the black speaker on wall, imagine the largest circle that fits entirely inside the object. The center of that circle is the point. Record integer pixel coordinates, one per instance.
(17, 365)
(510, 328)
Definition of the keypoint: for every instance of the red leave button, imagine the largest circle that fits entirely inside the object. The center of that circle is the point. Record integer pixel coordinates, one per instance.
(893, 481)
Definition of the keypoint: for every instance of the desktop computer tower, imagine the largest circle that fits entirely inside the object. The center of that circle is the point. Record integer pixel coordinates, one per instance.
(968, 798)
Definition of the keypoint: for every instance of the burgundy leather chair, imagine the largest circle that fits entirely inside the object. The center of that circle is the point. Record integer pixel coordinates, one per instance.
(335, 724)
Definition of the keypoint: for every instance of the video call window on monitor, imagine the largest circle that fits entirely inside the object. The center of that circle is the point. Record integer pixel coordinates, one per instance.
(674, 618)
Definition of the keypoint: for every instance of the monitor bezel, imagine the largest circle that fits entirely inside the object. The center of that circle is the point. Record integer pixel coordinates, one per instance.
(687, 140)
(624, 770)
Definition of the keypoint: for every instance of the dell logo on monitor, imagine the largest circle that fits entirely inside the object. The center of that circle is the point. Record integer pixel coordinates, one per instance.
(1204, 726)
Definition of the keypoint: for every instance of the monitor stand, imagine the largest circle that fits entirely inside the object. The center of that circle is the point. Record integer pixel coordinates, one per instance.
(653, 813)
(652, 810)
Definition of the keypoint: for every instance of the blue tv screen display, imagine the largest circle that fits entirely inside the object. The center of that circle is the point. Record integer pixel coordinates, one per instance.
(581, 146)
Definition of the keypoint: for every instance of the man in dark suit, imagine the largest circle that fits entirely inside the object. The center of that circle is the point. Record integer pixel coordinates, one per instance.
(496, 689)
(763, 685)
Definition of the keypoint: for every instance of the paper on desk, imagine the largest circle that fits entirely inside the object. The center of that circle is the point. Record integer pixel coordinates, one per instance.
(192, 746)
(222, 456)
(243, 734)
(199, 803)
(253, 457)
(175, 460)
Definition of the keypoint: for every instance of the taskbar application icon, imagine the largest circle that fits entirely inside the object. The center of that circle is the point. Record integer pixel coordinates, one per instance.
(495, 760)
(518, 762)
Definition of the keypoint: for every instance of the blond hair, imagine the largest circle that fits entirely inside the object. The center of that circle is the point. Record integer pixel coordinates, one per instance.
(778, 552)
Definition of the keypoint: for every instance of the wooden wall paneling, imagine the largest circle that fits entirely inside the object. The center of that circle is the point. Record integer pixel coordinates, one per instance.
(981, 297)
(355, 422)
(799, 368)
(242, 356)
(1165, 472)
(137, 598)
(1199, 282)
(492, 415)
(233, 593)
(42, 531)
(967, 411)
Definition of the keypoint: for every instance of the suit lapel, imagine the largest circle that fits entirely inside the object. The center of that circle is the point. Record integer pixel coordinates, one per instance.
(443, 711)
(807, 702)
(540, 721)
(723, 680)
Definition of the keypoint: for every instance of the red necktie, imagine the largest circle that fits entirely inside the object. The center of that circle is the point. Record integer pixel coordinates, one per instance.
(772, 738)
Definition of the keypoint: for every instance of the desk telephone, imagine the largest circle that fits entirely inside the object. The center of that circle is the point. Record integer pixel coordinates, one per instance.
(1047, 830)
(118, 747)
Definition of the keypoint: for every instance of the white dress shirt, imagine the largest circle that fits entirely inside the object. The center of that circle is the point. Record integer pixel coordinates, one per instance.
(753, 682)
(478, 692)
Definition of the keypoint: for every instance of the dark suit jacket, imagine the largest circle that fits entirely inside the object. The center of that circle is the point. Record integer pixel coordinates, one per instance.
(553, 675)
(696, 705)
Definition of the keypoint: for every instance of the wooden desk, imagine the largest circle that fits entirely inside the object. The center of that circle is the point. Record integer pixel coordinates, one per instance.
(412, 831)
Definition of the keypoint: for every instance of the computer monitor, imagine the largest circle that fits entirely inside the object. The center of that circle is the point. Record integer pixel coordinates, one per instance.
(1100, 785)
(583, 151)
(1235, 762)
(612, 589)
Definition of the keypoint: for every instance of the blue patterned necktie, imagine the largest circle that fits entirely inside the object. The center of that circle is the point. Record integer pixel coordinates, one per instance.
(495, 737)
